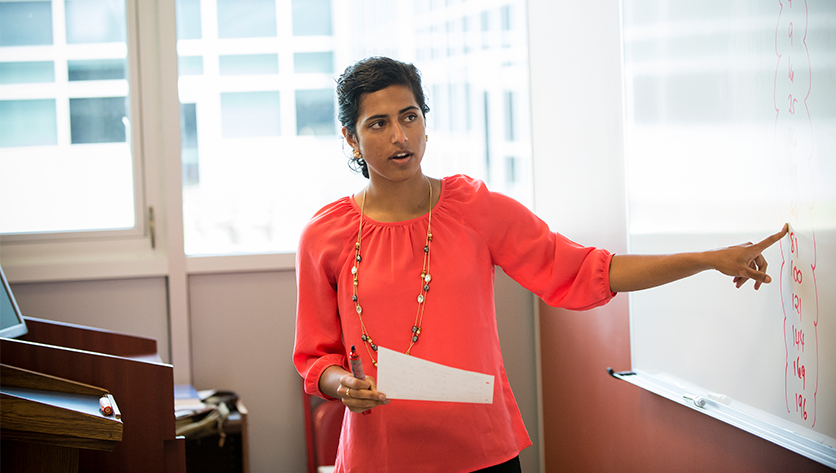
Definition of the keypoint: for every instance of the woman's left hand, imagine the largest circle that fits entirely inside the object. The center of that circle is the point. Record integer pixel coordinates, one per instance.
(742, 262)
(746, 261)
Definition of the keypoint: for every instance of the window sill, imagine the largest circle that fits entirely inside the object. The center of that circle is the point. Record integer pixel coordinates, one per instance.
(128, 266)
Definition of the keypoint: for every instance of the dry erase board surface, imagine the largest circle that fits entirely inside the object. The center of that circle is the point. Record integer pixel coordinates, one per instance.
(730, 131)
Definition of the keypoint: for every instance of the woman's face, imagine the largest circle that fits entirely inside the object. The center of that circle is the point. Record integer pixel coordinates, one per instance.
(390, 134)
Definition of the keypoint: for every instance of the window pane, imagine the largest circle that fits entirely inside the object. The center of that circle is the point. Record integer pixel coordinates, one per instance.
(27, 123)
(25, 23)
(250, 114)
(66, 162)
(88, 187)
(96, 69)
(315, 112)
(313, 62)
(311, 17)
(246, 18)
(95, 21)
(27, 72)
(188, 143)
(98, 120)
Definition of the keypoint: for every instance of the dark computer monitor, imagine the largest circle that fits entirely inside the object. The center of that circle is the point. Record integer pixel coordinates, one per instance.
(11, 321)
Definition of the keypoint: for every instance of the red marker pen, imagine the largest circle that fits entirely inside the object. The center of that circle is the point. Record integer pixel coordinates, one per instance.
(105, 406)
(357, 369)
(356, 365)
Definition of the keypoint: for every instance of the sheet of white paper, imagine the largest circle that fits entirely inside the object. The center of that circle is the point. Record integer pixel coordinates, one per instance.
(402, 376)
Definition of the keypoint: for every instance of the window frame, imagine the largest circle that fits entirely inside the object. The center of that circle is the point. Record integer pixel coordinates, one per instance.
(140, 211)
(132, 252)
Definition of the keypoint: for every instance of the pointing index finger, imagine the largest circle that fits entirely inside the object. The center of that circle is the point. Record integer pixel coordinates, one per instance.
(771, 239)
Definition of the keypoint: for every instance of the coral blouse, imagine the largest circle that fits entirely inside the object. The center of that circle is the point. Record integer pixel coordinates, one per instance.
(473, 230)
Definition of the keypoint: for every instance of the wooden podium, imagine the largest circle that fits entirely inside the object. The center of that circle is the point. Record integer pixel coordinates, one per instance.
(46, 420)
(127, 367)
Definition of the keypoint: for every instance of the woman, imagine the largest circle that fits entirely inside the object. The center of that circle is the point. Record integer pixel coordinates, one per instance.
(408, 263)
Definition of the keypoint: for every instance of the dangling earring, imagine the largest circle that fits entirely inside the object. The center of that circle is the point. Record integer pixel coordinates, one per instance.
(426, 138)
(357, 155)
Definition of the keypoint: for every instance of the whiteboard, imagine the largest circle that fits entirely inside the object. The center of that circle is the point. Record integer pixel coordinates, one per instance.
(730, 131)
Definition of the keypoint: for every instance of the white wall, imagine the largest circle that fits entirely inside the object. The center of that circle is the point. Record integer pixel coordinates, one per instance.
(242, 339)
(577, 119)
(577, 151)
(134, 306)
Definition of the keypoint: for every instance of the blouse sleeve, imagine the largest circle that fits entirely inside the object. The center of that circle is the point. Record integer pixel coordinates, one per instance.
(318, 343)
(558, 270)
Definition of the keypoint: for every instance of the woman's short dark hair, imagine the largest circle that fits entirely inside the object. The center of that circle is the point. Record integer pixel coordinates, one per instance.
(370, 75)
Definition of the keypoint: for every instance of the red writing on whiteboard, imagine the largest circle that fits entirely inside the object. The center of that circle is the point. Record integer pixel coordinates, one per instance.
(800, 372)
(798, 338)
(801, 406)
(797, 276)
(794, 146)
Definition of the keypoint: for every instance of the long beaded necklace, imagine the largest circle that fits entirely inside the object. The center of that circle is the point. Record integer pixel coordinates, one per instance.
(422, 295)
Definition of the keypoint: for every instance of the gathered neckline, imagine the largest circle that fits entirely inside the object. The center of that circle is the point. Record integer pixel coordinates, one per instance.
(424, 216)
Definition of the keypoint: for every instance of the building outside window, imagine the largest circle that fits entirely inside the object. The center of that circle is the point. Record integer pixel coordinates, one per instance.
(262, 149)
(66, 157)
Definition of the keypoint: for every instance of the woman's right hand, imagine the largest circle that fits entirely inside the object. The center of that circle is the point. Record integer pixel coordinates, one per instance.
(359, 395)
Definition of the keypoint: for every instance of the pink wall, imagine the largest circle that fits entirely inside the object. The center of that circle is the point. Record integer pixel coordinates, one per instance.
(594, 422)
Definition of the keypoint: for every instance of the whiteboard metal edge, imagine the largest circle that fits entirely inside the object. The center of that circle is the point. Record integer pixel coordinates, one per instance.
(786, 438)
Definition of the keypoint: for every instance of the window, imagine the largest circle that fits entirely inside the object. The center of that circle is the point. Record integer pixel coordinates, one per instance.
(66, 162)
(262, 148)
